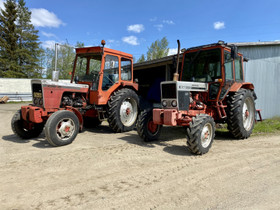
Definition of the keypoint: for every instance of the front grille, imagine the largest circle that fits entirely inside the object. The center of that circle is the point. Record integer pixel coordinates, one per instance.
(168, 90)
(37, 94)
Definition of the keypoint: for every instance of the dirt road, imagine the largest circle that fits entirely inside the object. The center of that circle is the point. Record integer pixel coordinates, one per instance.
(104, 170)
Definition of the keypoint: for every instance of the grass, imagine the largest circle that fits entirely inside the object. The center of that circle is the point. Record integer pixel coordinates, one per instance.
(266, 127)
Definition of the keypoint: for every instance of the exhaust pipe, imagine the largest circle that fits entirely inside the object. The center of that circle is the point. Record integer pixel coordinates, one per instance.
(176, 74)
(55, 73)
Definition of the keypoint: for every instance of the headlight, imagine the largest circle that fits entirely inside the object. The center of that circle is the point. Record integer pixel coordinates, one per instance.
(174, 103)
(164, 103)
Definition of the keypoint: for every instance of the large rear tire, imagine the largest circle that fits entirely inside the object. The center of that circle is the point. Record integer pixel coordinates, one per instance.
(241, 113)
(200, 134)
(62, 128)
(146, 128)
(123, 110)
(24, 129)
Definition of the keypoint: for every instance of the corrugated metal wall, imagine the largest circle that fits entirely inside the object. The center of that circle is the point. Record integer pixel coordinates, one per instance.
(263, 70)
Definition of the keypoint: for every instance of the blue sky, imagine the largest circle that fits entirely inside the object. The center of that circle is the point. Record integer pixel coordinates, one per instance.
(131, 26)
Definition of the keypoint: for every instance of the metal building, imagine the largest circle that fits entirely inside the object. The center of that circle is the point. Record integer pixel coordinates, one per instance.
(263, 70)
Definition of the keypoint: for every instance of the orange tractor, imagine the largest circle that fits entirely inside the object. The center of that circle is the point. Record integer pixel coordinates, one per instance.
(211, 90)
(104, 89)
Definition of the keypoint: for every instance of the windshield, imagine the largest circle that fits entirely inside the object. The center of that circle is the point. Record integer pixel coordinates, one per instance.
(202, 66)
(90, 74)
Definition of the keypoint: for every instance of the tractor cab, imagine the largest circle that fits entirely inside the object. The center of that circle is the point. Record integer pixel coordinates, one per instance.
(218, 65)
(104, 70)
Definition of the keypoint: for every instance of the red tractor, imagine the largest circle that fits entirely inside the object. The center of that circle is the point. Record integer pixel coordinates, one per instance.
(211, 90)
(103, 90)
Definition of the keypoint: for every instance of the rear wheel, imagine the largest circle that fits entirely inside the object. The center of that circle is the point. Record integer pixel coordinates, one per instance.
(241, 113)
(24, 129)
(200, 134)
(123, 110)
(146, 128)
(62, 128)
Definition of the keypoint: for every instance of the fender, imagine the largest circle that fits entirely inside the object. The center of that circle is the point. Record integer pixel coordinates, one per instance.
(246, 85)
(78, 114)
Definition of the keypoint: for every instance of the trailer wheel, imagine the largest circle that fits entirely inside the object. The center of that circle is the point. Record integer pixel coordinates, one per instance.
(241, 113)
(123, 110)
(146, 128)
(62, 128)
(200, 134)
(24, 129)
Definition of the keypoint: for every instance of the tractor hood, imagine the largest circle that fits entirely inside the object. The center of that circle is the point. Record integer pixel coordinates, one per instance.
(49, 93)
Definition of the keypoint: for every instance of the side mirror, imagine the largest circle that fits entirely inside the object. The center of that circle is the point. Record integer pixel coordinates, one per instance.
(234, 52)
(76, 79)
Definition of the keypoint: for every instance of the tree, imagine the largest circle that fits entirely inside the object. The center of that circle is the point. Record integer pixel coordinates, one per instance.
(65, 58)
(28, 44)
(8, 41)
(141, 59)
(19, 46)
(158, 49)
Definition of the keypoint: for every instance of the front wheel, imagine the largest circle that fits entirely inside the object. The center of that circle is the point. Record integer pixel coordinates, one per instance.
(146, 128)
(200, 134)
(24, 129)
(62, 128)
(123, 110)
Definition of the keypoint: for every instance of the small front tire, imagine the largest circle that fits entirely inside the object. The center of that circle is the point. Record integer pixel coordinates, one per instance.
(24, 129)
(146, 128)
(200, 134)
(62, 128)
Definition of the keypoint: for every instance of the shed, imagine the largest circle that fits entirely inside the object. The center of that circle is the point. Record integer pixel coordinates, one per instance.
(263, 70)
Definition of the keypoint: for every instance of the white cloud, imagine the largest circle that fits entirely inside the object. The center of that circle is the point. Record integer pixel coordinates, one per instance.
(173, 51)
(48, 34)
(169, 22)
(137, 28)
(219, 25)
(159, 27)
(48, 44)
(44, 18)
(153, 19)
(133, 40)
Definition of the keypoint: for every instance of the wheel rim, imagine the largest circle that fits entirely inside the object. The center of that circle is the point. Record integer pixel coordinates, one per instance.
(206, 135)
(152, 127)
(248, 113)
(65, 129)
(128, 112)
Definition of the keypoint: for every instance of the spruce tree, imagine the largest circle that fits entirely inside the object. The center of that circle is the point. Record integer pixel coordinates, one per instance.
(8, 41)
(28, 45)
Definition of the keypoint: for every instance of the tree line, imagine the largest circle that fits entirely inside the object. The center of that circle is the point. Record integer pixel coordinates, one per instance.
(21, 55)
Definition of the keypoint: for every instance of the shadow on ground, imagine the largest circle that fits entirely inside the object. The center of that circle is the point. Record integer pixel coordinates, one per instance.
(40, 141)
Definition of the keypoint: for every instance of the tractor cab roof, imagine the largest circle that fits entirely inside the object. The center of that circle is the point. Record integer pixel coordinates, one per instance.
(218, 44)
(99, 50)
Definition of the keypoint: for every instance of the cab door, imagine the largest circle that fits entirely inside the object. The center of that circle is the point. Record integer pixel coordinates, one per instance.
(228, 74)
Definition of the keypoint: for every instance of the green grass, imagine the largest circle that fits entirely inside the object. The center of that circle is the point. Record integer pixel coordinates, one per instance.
(19, 102)
(266, 127)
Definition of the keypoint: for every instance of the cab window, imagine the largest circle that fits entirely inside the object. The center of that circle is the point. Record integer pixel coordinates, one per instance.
(238, 69)
(111, 72)
(126, 69)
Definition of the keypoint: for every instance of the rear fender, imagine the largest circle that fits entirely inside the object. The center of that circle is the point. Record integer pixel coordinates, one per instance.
(237, 86)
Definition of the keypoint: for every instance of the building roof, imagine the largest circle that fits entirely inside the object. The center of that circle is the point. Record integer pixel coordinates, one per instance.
(249, 44)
